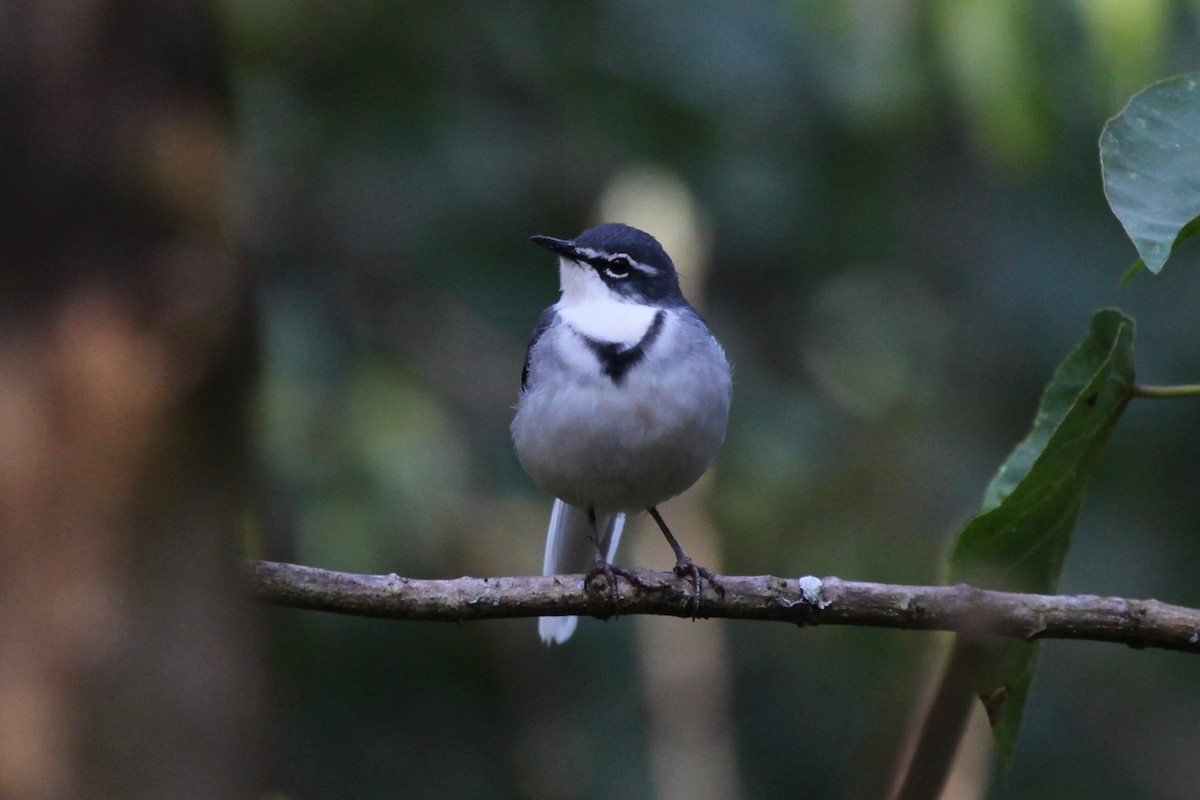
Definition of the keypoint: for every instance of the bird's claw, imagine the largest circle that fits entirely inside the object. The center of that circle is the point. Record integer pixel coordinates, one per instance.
(610, 573)
(686, 568)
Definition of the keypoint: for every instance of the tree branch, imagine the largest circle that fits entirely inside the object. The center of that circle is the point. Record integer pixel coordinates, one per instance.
(802, 601)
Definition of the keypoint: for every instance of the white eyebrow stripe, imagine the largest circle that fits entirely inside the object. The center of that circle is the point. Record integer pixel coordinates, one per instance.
(596, 255)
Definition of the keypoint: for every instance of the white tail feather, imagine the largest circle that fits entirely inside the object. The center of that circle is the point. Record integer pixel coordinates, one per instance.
(556, 630)
(569, 549)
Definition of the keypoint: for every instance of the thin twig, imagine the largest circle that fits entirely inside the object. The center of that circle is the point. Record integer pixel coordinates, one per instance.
(801, 601)
(1166, 392)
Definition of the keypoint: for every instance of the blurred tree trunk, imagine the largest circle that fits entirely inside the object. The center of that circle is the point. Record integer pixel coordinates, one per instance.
(128, 666)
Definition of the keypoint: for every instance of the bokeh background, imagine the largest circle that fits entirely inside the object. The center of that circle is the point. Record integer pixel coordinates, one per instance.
(890, 213)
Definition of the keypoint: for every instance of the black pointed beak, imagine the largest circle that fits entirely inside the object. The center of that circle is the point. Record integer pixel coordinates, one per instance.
(563, 247)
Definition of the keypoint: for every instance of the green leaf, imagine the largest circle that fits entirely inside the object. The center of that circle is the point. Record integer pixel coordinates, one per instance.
(1019, 541)
(1131, 273)
(1150, 159)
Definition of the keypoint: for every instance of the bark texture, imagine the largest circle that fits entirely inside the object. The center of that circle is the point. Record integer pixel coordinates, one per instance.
(801, 601)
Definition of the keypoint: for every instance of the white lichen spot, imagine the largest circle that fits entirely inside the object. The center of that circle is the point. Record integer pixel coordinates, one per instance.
(1194, 638)
(810, 591)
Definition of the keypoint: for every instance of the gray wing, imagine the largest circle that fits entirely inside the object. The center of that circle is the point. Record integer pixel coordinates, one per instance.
(543, 323)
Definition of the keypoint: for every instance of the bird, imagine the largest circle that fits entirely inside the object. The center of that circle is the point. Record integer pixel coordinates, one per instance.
(624, 404)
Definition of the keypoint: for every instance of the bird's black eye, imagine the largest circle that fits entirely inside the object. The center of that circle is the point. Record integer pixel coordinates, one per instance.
(617, 267)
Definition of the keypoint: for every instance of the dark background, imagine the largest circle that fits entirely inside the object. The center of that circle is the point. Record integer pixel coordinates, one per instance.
(891, 214)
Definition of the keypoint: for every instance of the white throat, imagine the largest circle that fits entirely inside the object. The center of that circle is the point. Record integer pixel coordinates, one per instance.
(593, 309)
(580, 284)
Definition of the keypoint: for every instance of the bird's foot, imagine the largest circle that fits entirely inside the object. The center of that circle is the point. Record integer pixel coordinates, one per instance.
(610, 573)
(688, 569)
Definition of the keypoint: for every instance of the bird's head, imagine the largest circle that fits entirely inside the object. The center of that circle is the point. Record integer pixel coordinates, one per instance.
(617, 262)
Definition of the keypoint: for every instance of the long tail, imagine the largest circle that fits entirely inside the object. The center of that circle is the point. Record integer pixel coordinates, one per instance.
(569, 549)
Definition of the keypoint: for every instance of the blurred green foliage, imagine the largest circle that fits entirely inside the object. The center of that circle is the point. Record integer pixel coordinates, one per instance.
(902, 229)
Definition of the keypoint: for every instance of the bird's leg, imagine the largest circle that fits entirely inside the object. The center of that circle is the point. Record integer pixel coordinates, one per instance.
(685, 567)
(602, 567)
